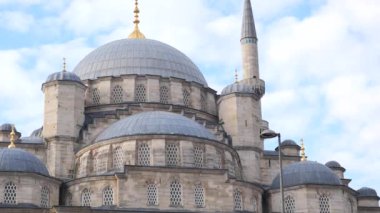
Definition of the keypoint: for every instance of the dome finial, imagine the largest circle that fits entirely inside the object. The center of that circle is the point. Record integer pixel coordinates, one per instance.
(12, 138)
(64, 64)
(236, 76)
(136, 34)
(303, 155)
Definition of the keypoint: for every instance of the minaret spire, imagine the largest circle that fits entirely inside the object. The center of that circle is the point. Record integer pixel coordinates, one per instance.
(136, 34)
(64, 65)
(303, 155)
(12, 138)
(248, 29)
(248, 43)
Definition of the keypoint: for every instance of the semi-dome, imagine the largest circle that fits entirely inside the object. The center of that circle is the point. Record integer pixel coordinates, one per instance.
(306, 172)
(367, 192)
(155, 123)
(18, 160)
(139, 57)
(63, 76)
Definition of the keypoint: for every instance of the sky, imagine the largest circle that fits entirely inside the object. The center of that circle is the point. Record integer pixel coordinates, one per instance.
(320, 60)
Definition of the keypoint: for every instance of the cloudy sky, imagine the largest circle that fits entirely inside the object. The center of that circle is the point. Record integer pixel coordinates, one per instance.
(320, 60)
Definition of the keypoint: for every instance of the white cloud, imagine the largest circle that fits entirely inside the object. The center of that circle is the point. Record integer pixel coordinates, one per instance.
(16, 21)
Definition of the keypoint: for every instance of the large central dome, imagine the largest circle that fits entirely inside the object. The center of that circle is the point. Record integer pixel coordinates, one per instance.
(140, 57)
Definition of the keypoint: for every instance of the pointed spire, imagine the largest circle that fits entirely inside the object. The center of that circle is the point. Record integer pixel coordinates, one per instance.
(248, 29)
(12, 138)
(236, 76)
(136, 34)
(303, 155)
(64, 65)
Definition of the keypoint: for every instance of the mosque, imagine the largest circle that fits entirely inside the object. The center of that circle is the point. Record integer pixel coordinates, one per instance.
(135, 128)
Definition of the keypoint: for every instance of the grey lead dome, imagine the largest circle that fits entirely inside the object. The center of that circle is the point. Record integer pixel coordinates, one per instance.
(155, 123)
(18, 160)
(139, 57)
(306, 172)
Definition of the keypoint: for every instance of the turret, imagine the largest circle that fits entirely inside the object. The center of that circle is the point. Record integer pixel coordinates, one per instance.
(63, 119)
(240, 106)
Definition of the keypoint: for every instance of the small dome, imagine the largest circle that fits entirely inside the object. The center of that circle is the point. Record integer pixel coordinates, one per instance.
(63, 76)
(155, 123)
(7, 127)
(306, 172)
(289, 143)
(37, 133)
(367, 192)
(237, 88)
(333, 164)
(138, 57)
(18, 160)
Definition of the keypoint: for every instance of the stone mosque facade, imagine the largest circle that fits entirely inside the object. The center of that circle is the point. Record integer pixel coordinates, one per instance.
(135, 128)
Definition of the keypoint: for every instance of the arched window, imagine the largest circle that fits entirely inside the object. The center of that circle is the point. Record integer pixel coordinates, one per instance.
(86, 197)
(45, 197)
(199, 196)
(218, 160)
(117, 94)
(143, 154)
(324, 204)
(175, 194)
(100, 163)
(10, 193)
(152, 195)
(198, 156)
(290, 204)
(231, 168)
(140, 93)
(186, 98)
(203, 102)
(172, 154)
(83, 166)
(108, 196)
(118, 158)
(164, 95)
(238, 200)
(95, 96)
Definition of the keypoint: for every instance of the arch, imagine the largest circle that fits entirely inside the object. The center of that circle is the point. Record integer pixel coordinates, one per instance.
(10, 193)
(86, 197)
(203, 102)
(324, 204)
(108, 196)
(290, 204)
(117, 94)
(152, 195)
(164, 94)
(199, 196)
(140, 93)
(175, 193)
(45, 197)
(238, 200)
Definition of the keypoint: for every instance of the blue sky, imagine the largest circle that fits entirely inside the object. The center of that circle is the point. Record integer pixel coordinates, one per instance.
(319, 58)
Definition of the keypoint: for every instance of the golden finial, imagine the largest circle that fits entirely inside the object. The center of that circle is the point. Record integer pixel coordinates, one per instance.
(303, 155)
(236, 76)
(136, 34)
(12, 138)
(64, 64)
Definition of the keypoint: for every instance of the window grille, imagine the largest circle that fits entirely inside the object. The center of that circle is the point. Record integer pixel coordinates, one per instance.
(175, 194)
(199, 194)
(101, 163)
(10, 193)
(45, 195)
(118, 158)
(203, 102)
(86, 197)
(108, 196)
(172, 154)
(290, 204)
(164, 94)
(198, 156)
(231, 169)
(186, 98)
(324, 204)
(140, 93)
(152, 198)
(117, 94)
(238, 200)
(95, 96)
(143, 154)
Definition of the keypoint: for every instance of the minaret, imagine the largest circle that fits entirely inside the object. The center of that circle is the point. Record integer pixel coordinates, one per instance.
(240, 103)
(249, 43)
